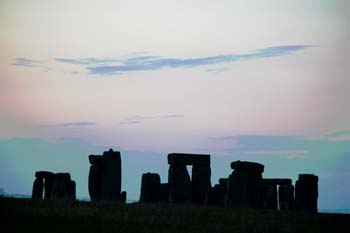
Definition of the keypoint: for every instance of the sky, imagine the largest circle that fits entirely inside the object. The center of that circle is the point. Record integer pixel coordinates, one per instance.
(265, 81)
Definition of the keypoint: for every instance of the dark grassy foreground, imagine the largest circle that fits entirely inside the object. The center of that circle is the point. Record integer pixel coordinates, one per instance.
(25, 215)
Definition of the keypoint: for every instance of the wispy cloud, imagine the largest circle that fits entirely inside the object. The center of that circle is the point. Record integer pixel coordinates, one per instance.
(30, 63)
(145, 62)
(140, 119)
(72, 124)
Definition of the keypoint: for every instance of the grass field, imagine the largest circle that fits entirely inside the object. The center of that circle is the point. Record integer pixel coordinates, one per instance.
(25, 215)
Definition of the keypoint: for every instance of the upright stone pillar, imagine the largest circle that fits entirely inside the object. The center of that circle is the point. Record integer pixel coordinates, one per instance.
(306, 192)
(95, 177)
(245, 185)
(111, 176)
(200, 183)
(180, 188)
(269, 197)
(286, 197)
(150, 187)
(38, 188)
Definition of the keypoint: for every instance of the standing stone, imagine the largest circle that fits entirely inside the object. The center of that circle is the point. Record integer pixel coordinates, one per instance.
(150, 187)
(306, 192)
(95, 182)
(245, 185)
(111, 176)
(269, 197)
(48, 185)
(180, 188)
(200, 183)
(72, 190)
(38, 188)
(286, 197)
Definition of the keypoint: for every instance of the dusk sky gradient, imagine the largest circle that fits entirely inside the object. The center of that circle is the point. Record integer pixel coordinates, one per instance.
(265, 81)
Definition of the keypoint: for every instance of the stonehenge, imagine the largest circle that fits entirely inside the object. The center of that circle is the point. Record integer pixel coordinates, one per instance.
(105, 177)
(57, 186)
(245, 187)
(306, 192)
(181, 187)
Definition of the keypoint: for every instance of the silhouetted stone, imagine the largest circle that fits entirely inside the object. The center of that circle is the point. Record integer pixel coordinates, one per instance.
(269, 196)
(48, 185)
(43, 174)
(180, 188)
(150, 187)
(286, 197)
(244, 187)
(63, 187)
(95, 179)
(277, 181)
(200, 183)
(38, 188)
(306, 192)
(111, 176)
(188, 159)
(123, 197)
(95, 159)
(164, 192)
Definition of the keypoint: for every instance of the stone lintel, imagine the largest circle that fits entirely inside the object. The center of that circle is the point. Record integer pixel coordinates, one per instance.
(277, 181)
(247, 166)
(188, 159)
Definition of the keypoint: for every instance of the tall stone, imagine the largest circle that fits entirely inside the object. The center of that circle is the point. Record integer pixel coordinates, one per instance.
(48, 185)
(38, 188)
(180, 188)
(286, 197)
(245, 185)
(200, 183)
(269, 196)
(306, 192)
(150, 187)
(95, 179)
(111, 176)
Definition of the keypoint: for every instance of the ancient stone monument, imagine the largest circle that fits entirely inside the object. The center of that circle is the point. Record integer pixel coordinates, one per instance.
(306, 192)
(181, 188)
(105, 176)
(244, 188)
(57, 186)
